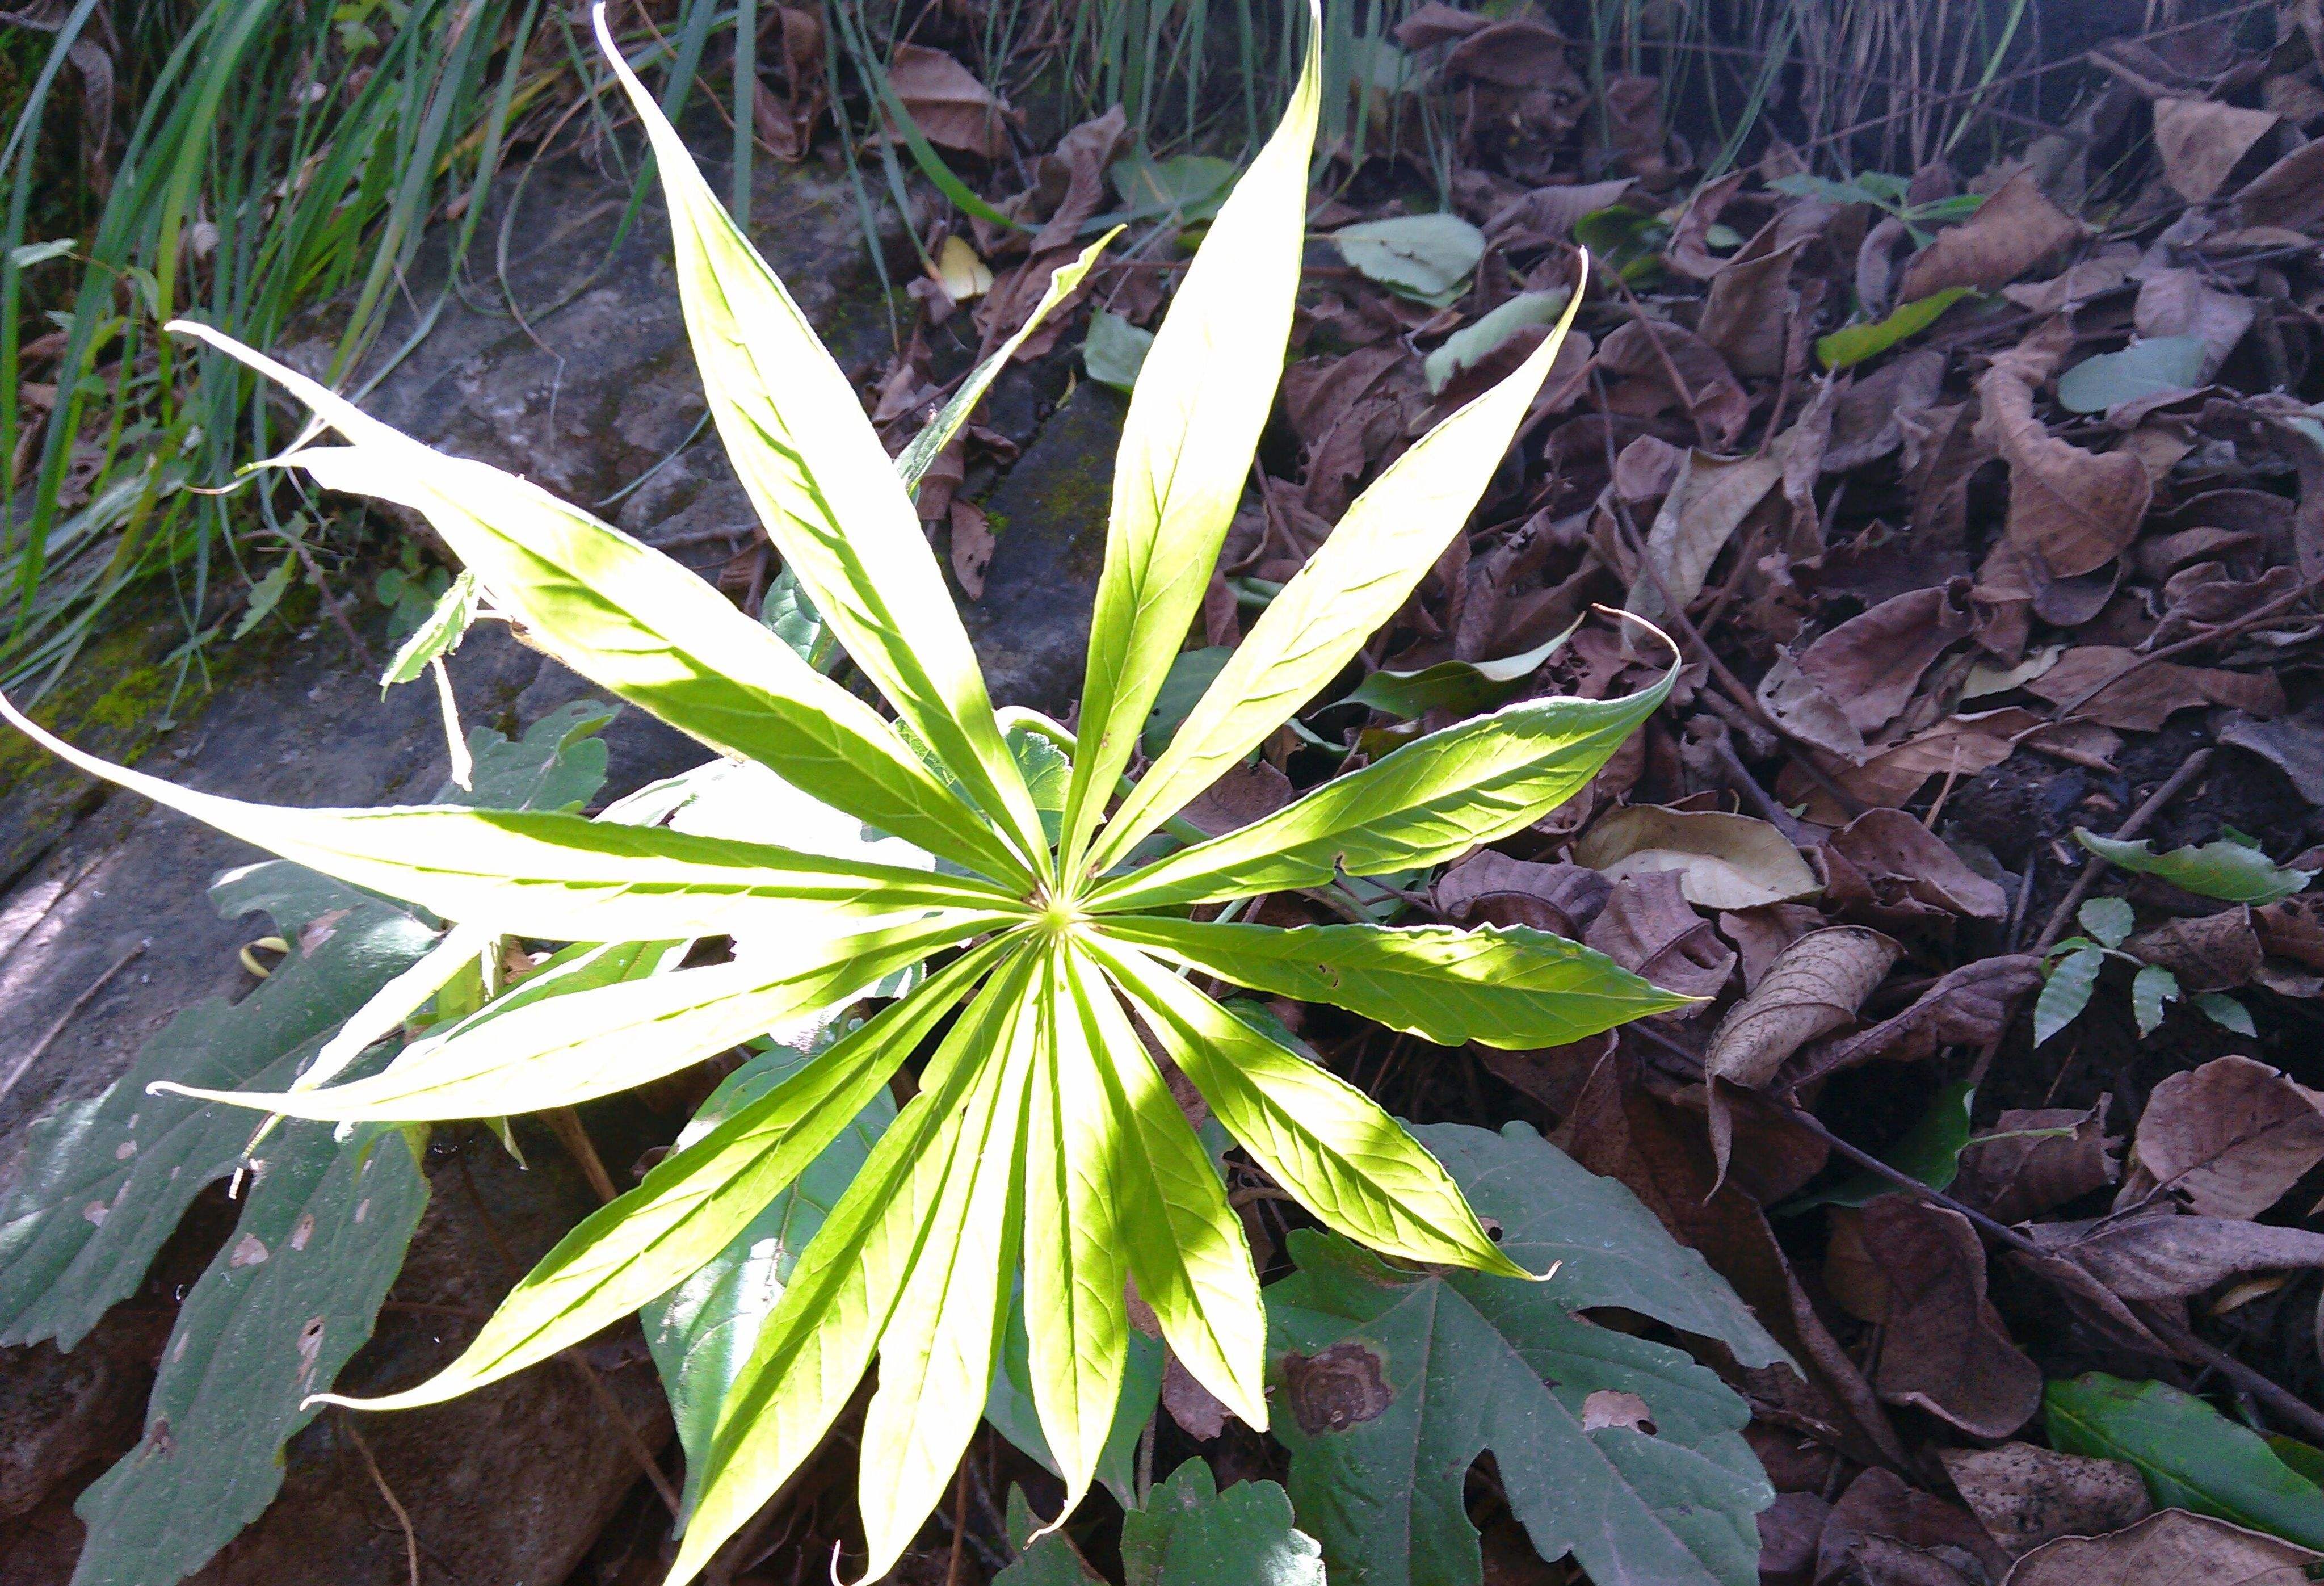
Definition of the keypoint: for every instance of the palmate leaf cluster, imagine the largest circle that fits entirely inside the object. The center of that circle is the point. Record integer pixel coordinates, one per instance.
(1042, 1148)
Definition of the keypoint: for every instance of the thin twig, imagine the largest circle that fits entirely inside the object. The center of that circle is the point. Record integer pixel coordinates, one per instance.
(23, 1065)
(1684, 392)
(2191, 767)
(2193, 642)
(565, 1124)
(331, 602)
(411, 1537)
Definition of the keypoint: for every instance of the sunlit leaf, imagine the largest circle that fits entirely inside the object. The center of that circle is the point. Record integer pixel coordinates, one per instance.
(1328, 1143)
(823, 484)
(2192, 1456)
(1204, 394)
(1391, 536)
(1510, 987)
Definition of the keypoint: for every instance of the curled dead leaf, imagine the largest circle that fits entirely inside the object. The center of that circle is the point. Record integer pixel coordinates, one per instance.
(2075, 510)
(1889, 864)
(2159, 1255)
(1814, 986)
(1722, 860)
(2173, 1548)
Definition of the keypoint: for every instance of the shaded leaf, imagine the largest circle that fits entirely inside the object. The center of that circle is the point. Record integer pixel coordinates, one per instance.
(1424, 257)
(1190, 1533)
(1115, 350)
(1851, 345)
(1389, 1384)
(2192, 1456)
(2142, 369)
(2223, 868)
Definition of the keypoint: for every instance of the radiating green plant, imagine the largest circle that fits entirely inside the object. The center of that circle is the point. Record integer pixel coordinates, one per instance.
(1042, 1134)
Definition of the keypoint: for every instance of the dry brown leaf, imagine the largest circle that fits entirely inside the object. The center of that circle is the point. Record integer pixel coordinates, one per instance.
(1242, 796)
(2011, 231)
(1546, 214)
(1642, 386)
(1760, 935)
(2074, 509)
(1871, 664)
(1190, 1404)
(2173, 1548)
(2160, 1255)
(1893, 1534)
(2180, 302)
(2294, 930)
(1814, 986)
(2289, 193)
(1490, 888)
(1890, 864)
(971, 547)
(1648, 929)
(2202, 140)
(1722, 860)
(2019, 1169)
(2024, 1496)
(1968, 1006)
(1748, 316)
(1867, 420)
(1946, 1350)
(949, 105)
(1706, 504)
(2075, 285)
(2143, 700)
(2230, 1137)
(1789, 1530)
(1613, 1407)
(2210, 953)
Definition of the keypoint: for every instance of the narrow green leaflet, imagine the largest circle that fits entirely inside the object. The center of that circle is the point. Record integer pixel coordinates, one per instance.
(1011, 1411)
(437, 637)
(1191, 1264)
(813, 1348)
(559, 877)
(1204, 394)
(823, 484)
(289, 1299)
(936, 1353)
(1062, 284)
(1511, 987)
(1464, 686)
(1391, 536)
(703, 1331)
(2192, 1456)
(571, 1049)
(1428, 802)
(2223, 869)
(2150, 989)
(695, 1201)
(1190, 1533)
(2067, 991)
(1328, 1143)
(1389, 1384)
(1853, 344)
(632, 620)
(107, 1179)
(1078, 1343)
